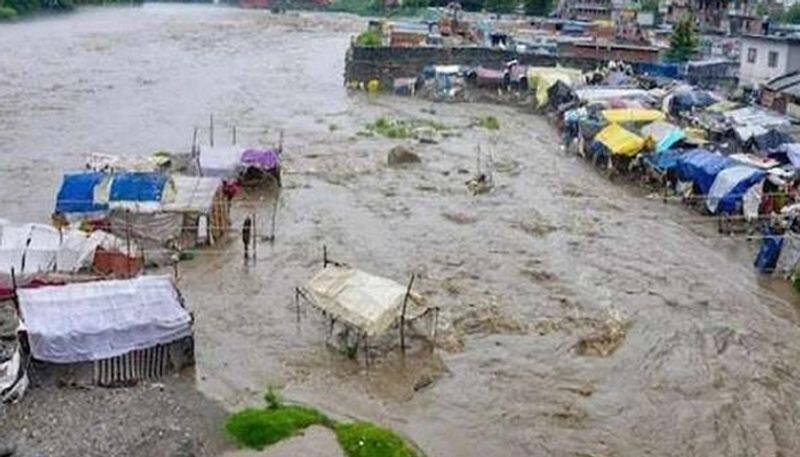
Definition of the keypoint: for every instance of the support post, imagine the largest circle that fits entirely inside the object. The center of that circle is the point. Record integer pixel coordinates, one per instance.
(211, 130)
(274, 215)
(14, 296)
(234, 135)
(435, 327)
(324, 256)
(255, 240)
(128, 242)
(297, 302)
(403, 315)
(194, 143)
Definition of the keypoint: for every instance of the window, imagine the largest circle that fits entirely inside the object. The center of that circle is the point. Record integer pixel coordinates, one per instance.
(773, 59)
(751, 55)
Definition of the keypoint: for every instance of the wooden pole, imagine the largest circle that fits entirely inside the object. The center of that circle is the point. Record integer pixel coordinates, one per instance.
(403, 316)
(211, 130)
(324, 256)
(366, 349)
(14, 296)
(297, 302)
(128, 241)
(255, 239)
(274, 213)
(280, 142)
(234, 134)
(194, 143)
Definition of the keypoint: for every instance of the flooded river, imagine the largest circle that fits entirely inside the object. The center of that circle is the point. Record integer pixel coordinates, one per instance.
(710, 362)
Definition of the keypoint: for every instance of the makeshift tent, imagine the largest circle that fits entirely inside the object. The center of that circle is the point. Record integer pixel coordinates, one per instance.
(98, 320)
(369, 303)
(204, 206)
(701, 168)
(792, 152)
(540, 79)
(560, 94)
(137, 187)
(488, 77)
(769, 252)
(29, 248)
(220, 161)
(685, 98)
(632, 115)
(620, 141)
(404, 86)
(662, 162)
(77, 194)
(663, 134)
(730, 185)
(771, 139)
(599, 93)
(257, 164)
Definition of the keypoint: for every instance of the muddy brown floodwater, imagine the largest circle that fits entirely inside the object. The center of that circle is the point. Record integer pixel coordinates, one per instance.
(710, 360)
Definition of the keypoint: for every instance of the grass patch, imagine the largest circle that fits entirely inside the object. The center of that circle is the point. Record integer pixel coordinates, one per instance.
(257, 428)
(490, 123)
(401, 129)
(369, 38)
(362, 439)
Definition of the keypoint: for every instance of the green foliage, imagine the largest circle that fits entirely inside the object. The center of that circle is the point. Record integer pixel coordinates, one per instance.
(369, 38)
(538, 7)
(792, 15)
(490, 123)
(501, 6)
(683, 44)
(22, 6)
(362, 439)
(7, 14)
(399, 129)
(649, 5)
(272, 399)
(256, 428)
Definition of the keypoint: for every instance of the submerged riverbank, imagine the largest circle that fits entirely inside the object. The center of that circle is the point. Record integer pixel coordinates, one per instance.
(708, 362)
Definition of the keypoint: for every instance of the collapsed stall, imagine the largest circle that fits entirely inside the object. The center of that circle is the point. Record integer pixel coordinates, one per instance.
(107, 332)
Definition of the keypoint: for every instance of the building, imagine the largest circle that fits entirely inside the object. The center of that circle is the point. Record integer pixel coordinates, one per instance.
(608, 50)
(765, 57)
(783, 94)
(587, 10)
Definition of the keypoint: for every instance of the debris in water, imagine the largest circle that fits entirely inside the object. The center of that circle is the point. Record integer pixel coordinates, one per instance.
(606, 339)
(401, 155)
(480, 184)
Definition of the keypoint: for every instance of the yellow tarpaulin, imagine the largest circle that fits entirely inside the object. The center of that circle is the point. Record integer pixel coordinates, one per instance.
(542, 78)
(620, 141)
(633, 115)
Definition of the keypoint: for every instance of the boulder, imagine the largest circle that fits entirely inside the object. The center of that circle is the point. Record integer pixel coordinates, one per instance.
(401, 155)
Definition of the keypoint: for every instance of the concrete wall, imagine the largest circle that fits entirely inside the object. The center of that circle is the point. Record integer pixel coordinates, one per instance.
(387, 63)
(759, 72)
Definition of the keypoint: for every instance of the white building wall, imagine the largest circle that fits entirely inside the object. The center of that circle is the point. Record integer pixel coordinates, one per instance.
(756, 73)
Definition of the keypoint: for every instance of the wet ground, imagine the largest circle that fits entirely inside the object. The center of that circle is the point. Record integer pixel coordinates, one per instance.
(704, 357)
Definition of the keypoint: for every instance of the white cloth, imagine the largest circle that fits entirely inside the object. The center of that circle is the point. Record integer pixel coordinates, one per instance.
(193, 194)
(220, 161)
(49, 250)
(725, 181)
(81, 322)
(368, 302)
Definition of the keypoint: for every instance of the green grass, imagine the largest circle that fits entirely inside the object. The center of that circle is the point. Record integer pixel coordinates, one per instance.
(400, 129)
(257, 428)
(490, 123)
(362, 439)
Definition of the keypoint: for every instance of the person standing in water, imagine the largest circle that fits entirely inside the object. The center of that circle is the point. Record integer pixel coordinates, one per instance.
(247, 228)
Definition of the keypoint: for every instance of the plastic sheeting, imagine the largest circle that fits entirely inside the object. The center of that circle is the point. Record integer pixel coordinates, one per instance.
(77, 193)
(193, 194)
(792, 152)
(701, 167)
(620, 141)
(664, 161)
(730, 185)
(540, 79)
(265, 159)
(43, 248)
(137, 187)
(220, 161)
(663, 134)
(633, 115)
(365, 301)
(82, 322)
(769, 252)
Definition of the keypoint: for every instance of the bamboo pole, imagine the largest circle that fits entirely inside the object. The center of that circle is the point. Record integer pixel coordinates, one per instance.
(403, 316)
(234, 134)
(211, 130)
(255, 239)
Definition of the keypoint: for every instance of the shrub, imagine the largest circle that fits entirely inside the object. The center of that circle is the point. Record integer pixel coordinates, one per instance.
(369, 38)
(7, 14)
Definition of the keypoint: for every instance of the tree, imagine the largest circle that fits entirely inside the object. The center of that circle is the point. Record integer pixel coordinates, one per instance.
(649, 6)
(793, 14)
(683, 44)
(538, 7)
(500, 6)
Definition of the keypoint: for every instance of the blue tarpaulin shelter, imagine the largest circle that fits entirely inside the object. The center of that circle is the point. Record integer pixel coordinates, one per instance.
(701, 167)
(770, 251)
(77, 193)
(137, 187)
(664, 161)
(730, 185)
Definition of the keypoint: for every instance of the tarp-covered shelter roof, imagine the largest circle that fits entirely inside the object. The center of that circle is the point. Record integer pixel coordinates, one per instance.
(620, 141)
(44, 249)
(219, 161)
(633, 115)
(81, 322)
(663, 134)
(77, 193)
(265, 159)
(137, 187)
(730, 186)
(367, 302)
(193, 194)
(701, 167)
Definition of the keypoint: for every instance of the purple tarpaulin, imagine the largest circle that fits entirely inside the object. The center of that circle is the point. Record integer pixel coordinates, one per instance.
(266, 159)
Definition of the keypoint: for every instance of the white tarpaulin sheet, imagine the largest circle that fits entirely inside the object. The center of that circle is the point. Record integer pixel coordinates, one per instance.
(368, 302)
(193, 194)
(48, 250)
(220, 161)
(725, 181)
(81, 322)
